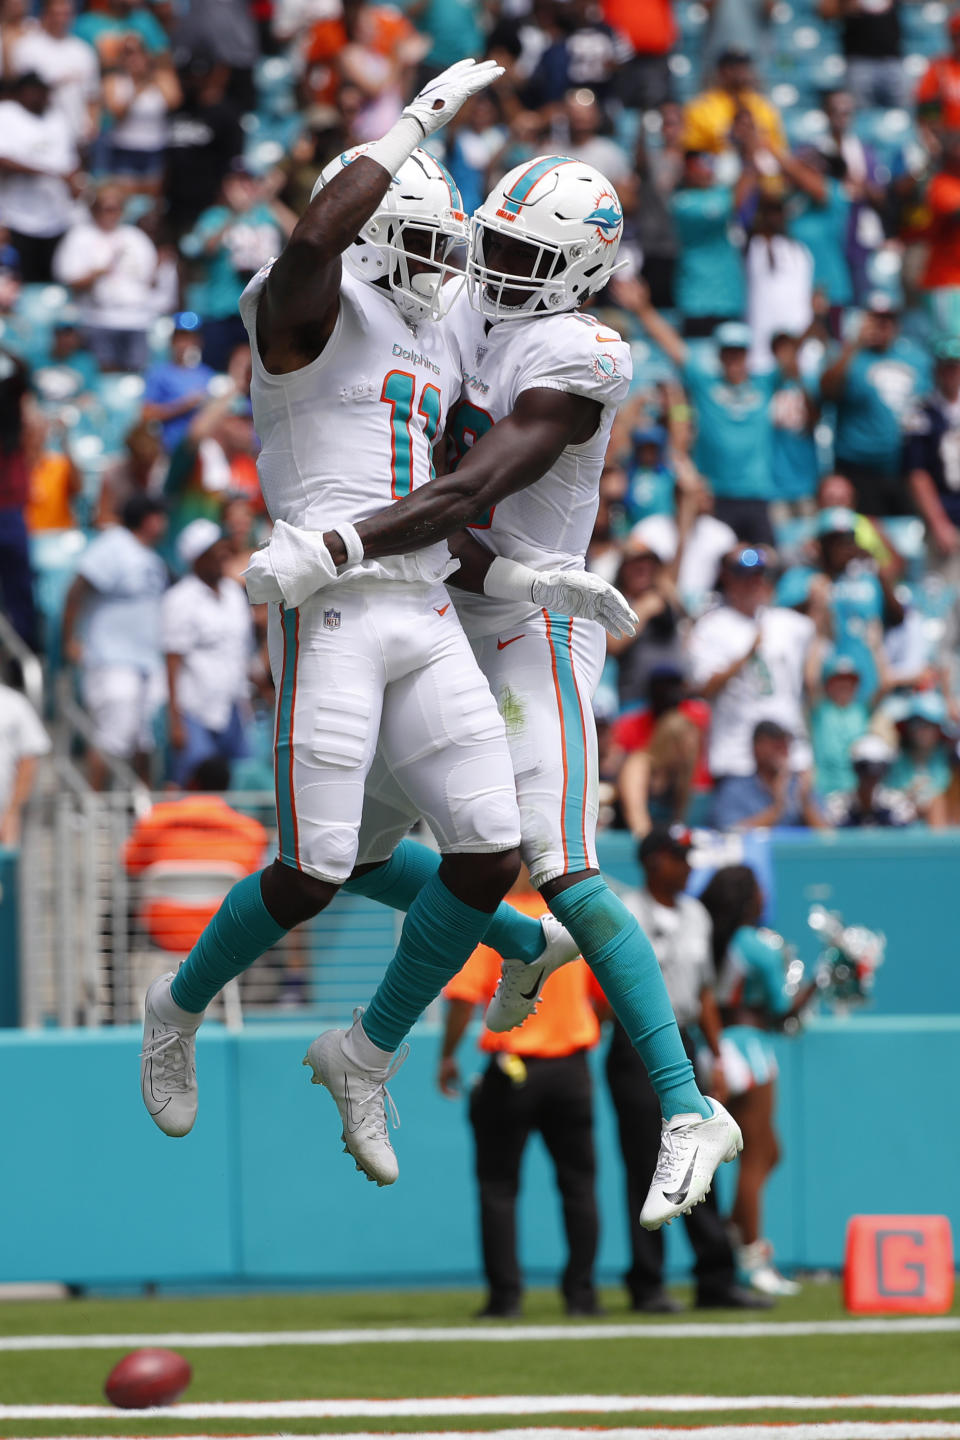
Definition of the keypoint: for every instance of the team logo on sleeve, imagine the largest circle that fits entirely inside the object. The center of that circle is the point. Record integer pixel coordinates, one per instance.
(606, 367)
(607, 217)
(331, 619)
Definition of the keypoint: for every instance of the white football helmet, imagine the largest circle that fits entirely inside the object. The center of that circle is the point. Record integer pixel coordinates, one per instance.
(420, 218)
(571, 217)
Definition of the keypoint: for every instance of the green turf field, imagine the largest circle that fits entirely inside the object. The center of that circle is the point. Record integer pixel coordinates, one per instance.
(728, 1365)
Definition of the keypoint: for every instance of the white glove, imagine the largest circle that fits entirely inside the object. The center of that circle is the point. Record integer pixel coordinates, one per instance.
(571, 592)
(439, 101)
(577, 592)
(293, 566)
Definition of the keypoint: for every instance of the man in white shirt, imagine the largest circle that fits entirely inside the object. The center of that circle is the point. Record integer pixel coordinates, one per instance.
(22, 740)
(68, 65)
(112, 268)
(38, 159)
(111, 629)
(680, 932)
(749, 659)
(779, 282)
(207, 635)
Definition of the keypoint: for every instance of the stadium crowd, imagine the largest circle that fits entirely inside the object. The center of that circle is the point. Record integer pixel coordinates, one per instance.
(781, 500)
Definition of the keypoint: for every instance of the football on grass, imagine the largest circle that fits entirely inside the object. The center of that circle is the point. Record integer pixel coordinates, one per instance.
(147, 1377)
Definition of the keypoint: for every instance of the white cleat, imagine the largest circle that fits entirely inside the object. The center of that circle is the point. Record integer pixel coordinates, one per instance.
(691, 1149)
(362, 1098)
(756, 1263)
(168, 1064)
(518, 989)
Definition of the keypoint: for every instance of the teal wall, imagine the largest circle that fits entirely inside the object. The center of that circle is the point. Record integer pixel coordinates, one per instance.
(261, 1193)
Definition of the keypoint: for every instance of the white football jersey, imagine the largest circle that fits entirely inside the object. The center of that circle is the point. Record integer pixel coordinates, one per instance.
(352, 431)
(548, 525)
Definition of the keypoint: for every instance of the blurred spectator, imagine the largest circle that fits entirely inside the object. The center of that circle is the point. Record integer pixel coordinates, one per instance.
(650, 486)
(643, 82)
(743, 25)
(648, 224)
(702, 546)
(205, 136)
(585, 142)
(952, 797)
(941, 277)
(108, 26)
(754, 999)
(679, 931)
(922, 768)
(473, 141)
(232, 239)
(38, 162)
(837, 720)
(112, 267)
(709, 118)
(175, 389)
(140, 471)
(866, 185)
(217, 455)
(239, 532)
(779, 274)
(22, 740)
(708, 279)
(749, 659)
(643, 579)
(932, 460)
(538, 1079)
(794, 410)
(861, 598)
(585, 54)
(139, 95)
(820, 214)
(872, 381)
(870, 803)
(938, 94)
(199, 827)
(227, 32)
(67, 64)
(111, 630)
(455, 29)
(207, 636)
(734, 440)
(605, 551)
(773, 795)
(16, 582)
(54, 480)
(871, 42)
(69, 351)
(16, 22)
(664, 753)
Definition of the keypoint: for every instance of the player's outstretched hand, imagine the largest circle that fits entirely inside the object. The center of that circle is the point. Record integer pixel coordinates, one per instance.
(577, 592)
(439, 101)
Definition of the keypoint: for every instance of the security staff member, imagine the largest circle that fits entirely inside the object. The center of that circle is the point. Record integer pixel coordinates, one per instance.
(679, 930)
(537, 1079)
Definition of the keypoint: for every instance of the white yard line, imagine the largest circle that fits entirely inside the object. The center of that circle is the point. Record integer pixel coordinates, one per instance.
(484, 1334)
(826, 1430)
(443, 1405)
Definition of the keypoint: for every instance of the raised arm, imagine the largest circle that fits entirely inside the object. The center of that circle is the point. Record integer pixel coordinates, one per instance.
(301, 298)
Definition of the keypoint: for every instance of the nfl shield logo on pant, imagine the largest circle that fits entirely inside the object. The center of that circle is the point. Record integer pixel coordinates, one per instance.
(331, 619)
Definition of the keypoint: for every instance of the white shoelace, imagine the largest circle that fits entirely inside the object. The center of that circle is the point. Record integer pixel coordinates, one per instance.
(170, 1053)
(376, 1121)
(670, 1154)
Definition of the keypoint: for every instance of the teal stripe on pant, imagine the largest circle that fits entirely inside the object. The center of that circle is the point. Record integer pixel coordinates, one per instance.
(283, 769)
(574, 741)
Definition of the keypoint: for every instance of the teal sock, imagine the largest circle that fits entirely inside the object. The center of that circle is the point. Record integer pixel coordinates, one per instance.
(438, 936)
(399, 880)
(622, 958)
(240, 932)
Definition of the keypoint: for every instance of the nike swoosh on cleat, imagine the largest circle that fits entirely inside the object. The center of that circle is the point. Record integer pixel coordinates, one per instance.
(502, 644)
(531, 994)
(443, 610)
(677, 1197)
(352, 1126)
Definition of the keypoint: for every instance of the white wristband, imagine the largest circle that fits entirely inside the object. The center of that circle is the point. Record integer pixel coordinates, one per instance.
(508, 580)
(397, 145)
(351, 542)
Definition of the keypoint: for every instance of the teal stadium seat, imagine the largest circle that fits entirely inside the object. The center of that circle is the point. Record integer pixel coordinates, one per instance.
(54, 556)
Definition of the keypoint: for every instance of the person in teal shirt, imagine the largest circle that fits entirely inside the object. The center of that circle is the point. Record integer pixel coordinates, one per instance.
(862, 602)
(651, 483)
(794, 463)
(104, 29)
(709, 283)
(922, 769)
(875, 378)
(454, 26)
(823, 228)
(837, 721)
(231, 241)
